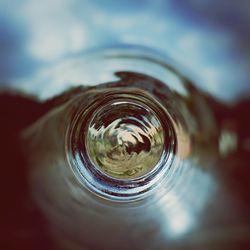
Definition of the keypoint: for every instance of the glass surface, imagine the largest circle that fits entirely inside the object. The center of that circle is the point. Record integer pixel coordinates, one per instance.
(142, 138)
(134, 124)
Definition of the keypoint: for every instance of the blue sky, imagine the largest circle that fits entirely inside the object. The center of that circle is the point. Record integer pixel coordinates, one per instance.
(209, 38)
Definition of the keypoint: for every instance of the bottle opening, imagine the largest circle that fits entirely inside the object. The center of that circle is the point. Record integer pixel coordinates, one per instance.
(121, 143)
(125, 139)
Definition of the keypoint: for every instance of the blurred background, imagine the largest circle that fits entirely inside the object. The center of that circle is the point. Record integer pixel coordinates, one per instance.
(209, 38)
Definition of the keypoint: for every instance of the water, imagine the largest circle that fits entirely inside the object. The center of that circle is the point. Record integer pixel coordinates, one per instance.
(139, 137)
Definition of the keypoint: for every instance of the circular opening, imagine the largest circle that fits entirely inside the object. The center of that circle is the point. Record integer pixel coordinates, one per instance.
(125, 139)
(121, 143)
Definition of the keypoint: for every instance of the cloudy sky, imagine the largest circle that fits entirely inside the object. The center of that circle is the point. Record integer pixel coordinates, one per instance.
(210, 39)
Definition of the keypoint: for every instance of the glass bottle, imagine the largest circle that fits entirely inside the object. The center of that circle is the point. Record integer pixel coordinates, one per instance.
(131, 161)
